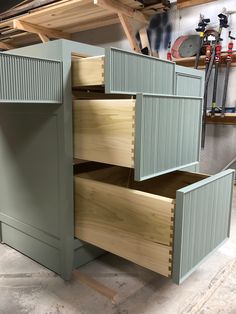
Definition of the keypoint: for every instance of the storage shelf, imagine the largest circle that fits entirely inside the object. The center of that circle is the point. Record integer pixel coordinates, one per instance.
(189, 62)
(229, 118)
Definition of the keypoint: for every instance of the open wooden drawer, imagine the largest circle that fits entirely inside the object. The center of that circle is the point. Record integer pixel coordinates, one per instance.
(124, 72)
(153, 134)
(168, 224)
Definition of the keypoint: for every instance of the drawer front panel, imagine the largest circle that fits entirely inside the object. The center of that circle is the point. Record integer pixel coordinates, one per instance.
(189, 82)
(167, 134)
(131, 73)
(202, 221)
(30, 80)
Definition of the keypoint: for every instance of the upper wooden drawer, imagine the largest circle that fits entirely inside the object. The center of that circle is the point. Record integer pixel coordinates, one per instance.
(152, 134)
(124, 72)
(168, 224)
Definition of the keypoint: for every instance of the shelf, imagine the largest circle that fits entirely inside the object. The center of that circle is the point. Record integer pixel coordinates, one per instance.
(229, 118)
(189, 62)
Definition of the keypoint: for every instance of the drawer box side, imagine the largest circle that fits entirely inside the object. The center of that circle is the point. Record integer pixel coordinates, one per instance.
(129, 223)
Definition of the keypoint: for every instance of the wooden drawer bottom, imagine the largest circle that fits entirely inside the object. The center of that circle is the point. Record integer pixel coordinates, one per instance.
(147, 222)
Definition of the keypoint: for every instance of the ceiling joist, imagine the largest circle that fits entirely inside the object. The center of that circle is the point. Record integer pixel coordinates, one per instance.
(31, 28)
(119, 8)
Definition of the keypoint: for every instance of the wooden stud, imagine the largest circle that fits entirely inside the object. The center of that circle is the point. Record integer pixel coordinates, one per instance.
(43, 37)
(6, 46)
(31, 28)
(123, 9)
(190, 3)
(128, 29)
(144, 39)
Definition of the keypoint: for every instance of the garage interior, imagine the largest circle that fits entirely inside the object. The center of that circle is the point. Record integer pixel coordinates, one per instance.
(117, 156)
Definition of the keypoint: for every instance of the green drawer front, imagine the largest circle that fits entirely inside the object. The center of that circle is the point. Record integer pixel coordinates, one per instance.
(131, 73)
(202, 221)
(24, 79)
(167, 134)
(189, 82)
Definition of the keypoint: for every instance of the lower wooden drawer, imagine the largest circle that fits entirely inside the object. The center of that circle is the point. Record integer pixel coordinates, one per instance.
(167, 224)
(153, 134)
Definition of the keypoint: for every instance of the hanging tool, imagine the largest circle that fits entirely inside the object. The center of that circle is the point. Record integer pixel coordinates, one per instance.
(201, 29)
(218, 49)
(223, 23)
(228, 64)
(207, 61)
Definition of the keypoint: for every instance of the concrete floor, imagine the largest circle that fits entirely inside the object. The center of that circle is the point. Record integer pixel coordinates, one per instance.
(27, 287)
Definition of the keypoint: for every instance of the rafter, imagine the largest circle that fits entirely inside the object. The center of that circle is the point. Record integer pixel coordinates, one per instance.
(6, 46)
(36, 29)
(119, 8)
(128, 29)
(43, 37)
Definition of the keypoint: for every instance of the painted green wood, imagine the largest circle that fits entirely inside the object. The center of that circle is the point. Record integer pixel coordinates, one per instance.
(28, 245)
(202, 221)
(30, 80)
(189, 82)
(167, 134)
(40, 200)
(130, 73)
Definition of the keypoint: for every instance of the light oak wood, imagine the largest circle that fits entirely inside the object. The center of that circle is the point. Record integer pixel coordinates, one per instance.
(104, 131)
(128, 28)
(120, 8)
(190, 3)
(88, 71)
(167, 184)
(32, 28)
(129, 223)
(94, 284)
(228, 118)
(6, 46)
(43, 37)
(189, 62)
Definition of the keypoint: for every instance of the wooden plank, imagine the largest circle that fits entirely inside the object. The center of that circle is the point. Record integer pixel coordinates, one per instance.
(22, 8)
(95, 285)
(6, 46)
(119, 8)
(189, 62)
(88, 71)
(190, 3)
(129, 31)
(144, 39)
(228, 118)
(104, 131)
(125, 222)
(31, 28)
(43, 37)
